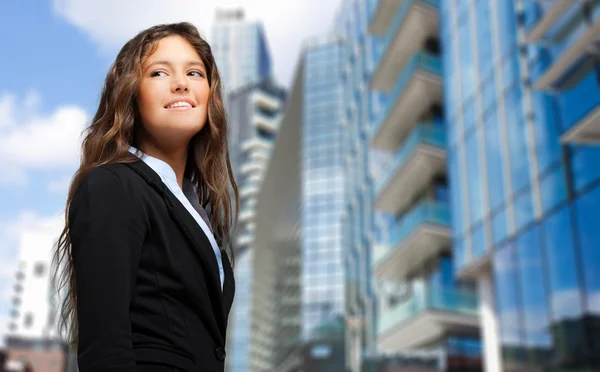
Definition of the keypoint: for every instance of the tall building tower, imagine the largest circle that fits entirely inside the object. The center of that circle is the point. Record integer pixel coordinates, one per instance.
(299, 222)
(521, 101)
(311, 231)
(34, 314)
(324, 179)
(255, 109)
(275, 313)
(240, 48)
(424, 305)
(254, 104)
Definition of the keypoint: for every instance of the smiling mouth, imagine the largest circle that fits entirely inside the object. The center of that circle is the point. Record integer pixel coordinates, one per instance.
(180, 105)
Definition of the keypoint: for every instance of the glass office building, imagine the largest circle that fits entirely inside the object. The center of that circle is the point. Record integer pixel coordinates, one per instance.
(240, 49)
(254, 104)
(521, 104)
(254, 111)
(424, 306)
(324, 176)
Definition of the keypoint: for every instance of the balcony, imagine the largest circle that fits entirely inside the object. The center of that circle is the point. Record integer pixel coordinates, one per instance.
(414, 23)
(246, 214)
(421, 158)
(268, 102)
(267, 123)
(256, 143)
(244, 240)
(421, 234)
(425, 316)
(586, 131)
(551, 11)
(253, 167)
(381, 15)
(571, 48)
(419, 87)
(249, 190)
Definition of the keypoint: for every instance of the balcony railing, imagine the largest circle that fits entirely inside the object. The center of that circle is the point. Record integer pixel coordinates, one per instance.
(432, 134)
(426, 299)
(420, 61)
(390, 35)
(428, 212)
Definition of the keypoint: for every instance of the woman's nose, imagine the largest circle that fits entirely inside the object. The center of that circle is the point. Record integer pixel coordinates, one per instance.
(179, 85)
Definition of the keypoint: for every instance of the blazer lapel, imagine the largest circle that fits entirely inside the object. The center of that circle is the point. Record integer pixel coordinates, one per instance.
(193, 232)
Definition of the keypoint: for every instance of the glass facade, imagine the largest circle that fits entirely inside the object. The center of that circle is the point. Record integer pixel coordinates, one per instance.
(241, 52)
(242, 56)
(360, 302)
(238, 343)
(522, 198)
(410, 137)
(324, 178)
(250, 150)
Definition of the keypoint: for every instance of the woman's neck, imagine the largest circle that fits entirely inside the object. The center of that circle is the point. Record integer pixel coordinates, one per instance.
(176, 158)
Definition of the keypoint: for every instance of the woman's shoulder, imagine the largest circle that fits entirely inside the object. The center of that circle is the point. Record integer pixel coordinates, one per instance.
(107, 178)
(111, 173)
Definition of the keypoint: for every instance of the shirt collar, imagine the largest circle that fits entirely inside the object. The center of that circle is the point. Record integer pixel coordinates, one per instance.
(164, 170)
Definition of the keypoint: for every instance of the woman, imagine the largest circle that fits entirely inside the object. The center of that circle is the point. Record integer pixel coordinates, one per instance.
(149, 288)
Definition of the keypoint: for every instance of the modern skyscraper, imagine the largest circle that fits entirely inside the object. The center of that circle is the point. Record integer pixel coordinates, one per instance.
(424, 305)
(324, 178)
(521, 102)
(311, 231)
(34, 314)
(240, 48)
(274, 315)
(254, 103)
(254, 112)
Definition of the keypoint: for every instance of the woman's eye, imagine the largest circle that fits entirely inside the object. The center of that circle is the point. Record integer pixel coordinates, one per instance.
(157, 73)
(197, 73)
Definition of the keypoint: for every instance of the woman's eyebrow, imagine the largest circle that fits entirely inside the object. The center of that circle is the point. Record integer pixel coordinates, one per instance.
(168, 63)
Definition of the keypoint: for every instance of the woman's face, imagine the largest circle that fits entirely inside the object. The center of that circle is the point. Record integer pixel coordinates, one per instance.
(173, 92)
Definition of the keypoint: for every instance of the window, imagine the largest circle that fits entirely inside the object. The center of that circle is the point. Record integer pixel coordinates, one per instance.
(494, 160)
(478, 241)
(40, 269)
(508, 305)
(474, 179)
(564, 293)
(585, 166)
(517, 139)
(523, 209)
(546, 124)
(28, 320)
(499, 227)
(587, 210)
(484, 38)
(553, 189)
(466, 62)
(533, 291)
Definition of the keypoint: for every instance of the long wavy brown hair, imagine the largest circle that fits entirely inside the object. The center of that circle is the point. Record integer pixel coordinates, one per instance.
(112, 132)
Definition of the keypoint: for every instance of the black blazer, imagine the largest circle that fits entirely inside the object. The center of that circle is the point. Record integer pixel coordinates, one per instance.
(147, 280)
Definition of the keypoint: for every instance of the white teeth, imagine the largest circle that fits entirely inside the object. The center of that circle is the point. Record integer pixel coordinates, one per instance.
(179, 104)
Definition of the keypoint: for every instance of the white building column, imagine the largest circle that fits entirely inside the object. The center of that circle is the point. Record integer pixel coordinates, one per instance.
(489, 324)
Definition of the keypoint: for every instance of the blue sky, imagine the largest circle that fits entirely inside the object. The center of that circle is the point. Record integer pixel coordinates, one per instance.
(54, 59)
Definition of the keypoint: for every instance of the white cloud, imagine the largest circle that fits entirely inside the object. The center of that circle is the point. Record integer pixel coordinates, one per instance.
(287, 23)
(60, 186)
(31, 140)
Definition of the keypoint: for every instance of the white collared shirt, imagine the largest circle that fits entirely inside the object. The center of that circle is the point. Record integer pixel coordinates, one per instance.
(167, 175)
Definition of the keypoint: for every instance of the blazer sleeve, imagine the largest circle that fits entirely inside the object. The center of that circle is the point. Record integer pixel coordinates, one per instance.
(107, 231)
